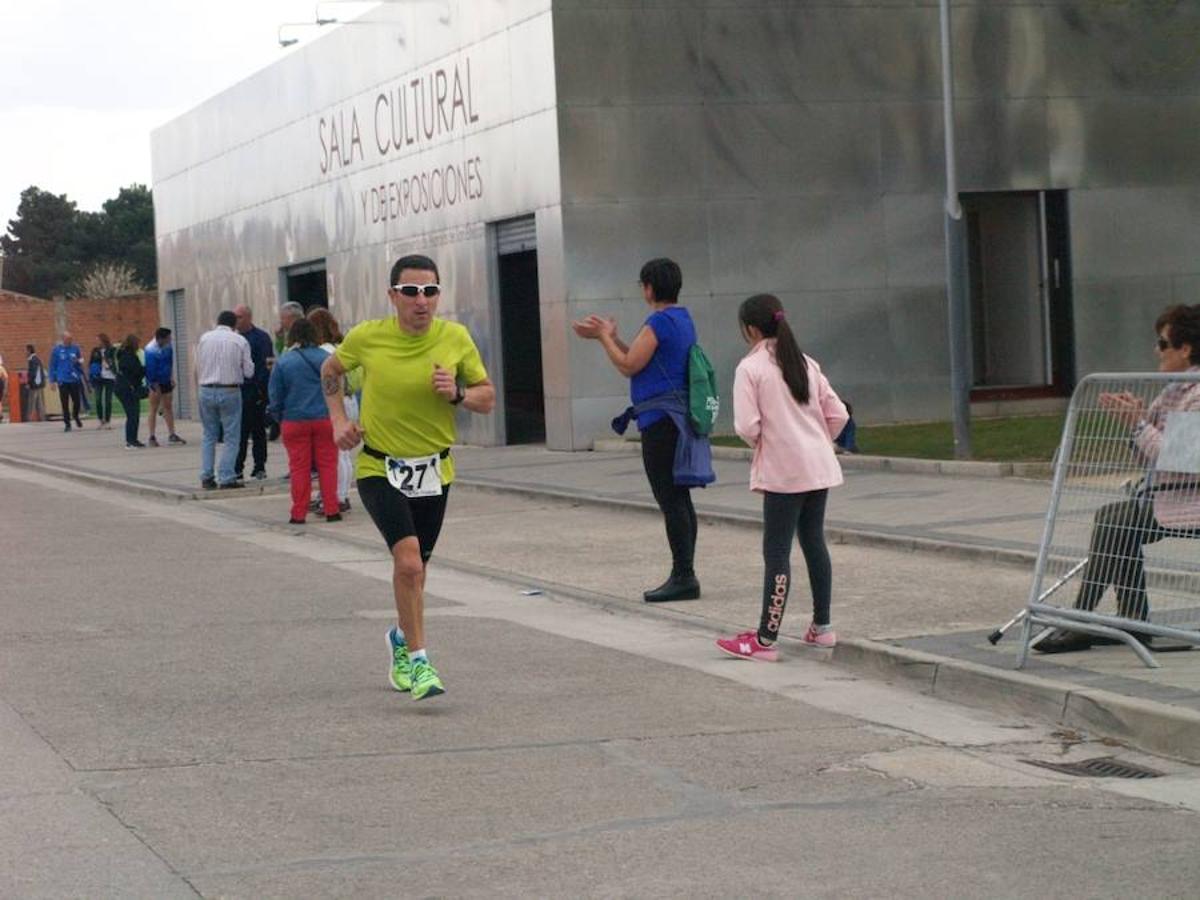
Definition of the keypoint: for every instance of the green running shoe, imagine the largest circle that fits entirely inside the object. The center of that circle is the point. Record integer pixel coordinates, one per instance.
(401, 672)
(425, 681)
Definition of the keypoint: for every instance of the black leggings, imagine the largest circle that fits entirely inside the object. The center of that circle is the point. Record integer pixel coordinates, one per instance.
(658, 458)
(104, 398)
(133, 411)
(70, 393)
(784, 516)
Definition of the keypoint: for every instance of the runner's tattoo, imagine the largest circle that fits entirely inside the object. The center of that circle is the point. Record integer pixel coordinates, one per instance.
(331, 385)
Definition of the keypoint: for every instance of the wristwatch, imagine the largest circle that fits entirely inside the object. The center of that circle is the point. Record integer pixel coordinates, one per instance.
(459, 395)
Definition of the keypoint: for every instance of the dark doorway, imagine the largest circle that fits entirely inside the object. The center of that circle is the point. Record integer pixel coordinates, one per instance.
(521, 335)
(1020, 283)
(306, 284)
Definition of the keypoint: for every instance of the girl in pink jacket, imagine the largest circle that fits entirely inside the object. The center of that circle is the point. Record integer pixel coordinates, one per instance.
(785, 409)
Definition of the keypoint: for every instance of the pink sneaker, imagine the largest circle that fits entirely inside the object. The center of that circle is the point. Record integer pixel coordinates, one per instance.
(747, 646)
(815, 638)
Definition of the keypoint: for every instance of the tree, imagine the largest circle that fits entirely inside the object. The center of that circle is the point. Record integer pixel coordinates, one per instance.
(51, 244)
(129, 232)
(110, 280)
(41, 249)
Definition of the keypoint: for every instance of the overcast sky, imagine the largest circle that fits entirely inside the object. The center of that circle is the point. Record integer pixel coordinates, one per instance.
(84, 82)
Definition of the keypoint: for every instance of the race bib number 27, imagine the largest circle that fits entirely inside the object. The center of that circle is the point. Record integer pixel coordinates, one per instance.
(420, 477)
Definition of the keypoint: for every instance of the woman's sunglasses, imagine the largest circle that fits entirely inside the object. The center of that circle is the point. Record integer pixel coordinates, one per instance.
(1163, 344)
(412, 290)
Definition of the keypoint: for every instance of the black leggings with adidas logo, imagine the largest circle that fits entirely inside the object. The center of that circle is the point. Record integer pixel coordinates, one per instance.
(786, 516)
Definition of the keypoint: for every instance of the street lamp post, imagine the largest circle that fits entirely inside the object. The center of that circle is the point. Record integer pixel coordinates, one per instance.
(958, 311)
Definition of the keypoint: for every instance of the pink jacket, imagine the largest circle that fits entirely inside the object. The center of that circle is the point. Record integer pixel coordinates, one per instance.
(1178, 507)
(793, 444)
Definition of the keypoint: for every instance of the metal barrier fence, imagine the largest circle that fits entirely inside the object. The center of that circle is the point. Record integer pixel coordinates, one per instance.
(1119, 560)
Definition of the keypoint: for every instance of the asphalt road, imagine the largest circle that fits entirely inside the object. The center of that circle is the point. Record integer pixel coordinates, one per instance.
(195, 703)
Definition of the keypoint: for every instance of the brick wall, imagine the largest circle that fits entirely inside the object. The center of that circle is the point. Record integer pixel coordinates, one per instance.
(32, 320)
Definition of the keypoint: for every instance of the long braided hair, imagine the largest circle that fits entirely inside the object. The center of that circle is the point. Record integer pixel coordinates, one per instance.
(765, 312)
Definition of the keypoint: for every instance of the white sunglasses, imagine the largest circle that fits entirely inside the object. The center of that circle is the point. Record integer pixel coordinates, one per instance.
(412, 290)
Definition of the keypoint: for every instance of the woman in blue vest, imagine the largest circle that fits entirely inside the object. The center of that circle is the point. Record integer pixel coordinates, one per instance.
(656, 363)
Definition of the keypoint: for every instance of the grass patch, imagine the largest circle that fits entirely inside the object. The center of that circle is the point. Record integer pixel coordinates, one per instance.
(1017, 439)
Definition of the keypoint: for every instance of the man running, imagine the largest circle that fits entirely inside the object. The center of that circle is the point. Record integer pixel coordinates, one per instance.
(416, 370)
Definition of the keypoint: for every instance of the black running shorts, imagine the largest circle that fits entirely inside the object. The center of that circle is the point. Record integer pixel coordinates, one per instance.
(398, 517)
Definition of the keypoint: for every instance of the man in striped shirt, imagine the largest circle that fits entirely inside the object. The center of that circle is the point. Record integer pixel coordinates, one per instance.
(223, 362)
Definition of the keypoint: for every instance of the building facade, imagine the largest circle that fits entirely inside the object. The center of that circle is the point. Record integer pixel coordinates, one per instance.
(541, 150)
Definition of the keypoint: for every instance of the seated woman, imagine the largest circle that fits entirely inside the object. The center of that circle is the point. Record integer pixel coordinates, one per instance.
(1120, 530)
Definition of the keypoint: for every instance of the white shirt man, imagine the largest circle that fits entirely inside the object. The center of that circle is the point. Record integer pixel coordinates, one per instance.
(223, 362)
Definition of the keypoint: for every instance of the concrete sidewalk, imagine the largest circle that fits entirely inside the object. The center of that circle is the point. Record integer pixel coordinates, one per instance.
(918, 617)
(976, 517)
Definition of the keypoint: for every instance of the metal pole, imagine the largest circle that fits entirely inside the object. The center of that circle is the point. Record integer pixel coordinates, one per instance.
(958, 311)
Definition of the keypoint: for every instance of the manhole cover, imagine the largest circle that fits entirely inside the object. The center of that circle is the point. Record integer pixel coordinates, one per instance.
(1101, 767)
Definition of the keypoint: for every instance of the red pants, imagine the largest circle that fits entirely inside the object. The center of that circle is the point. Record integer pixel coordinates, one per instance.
(309, 442)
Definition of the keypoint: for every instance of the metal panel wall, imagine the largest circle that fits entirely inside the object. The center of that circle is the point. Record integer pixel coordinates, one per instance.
(766, 145)
(797, 148)
(406, 131)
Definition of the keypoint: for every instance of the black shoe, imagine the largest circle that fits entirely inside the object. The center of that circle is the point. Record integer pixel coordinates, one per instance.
(336, 517)
(209, 484)
(344, 506)
(295, 521)
(1062, 641)
(229, 486)
(78, 424)
(68, 427)
(1146, 639)
(259, 474)
(677, 587)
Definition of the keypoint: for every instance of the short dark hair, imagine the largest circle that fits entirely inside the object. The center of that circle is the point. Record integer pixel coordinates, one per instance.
(161, 332)
(227, 318)
(664, 277)
(413, 261)
(29, 348)
(302, 334)
(1184, 325)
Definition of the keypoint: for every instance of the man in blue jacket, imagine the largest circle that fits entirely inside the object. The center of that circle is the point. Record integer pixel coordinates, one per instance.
(160, 379)
(66, 371)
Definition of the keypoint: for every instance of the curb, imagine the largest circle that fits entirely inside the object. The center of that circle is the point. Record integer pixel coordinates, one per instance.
(140, 488)
(858, 463)
(96, 478)
(1144, 724)
(834, 534)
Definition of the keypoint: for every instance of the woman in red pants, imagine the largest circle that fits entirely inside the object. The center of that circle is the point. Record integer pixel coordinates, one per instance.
(296, 400)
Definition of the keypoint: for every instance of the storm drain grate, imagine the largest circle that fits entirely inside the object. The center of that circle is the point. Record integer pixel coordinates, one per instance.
(1101, 767)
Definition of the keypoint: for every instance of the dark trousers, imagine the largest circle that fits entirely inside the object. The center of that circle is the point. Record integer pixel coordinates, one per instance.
(784, 517)
(658, 458)
(1119, 532)
(133, 412)
(254, 427)
(70, 394)
(104, 399)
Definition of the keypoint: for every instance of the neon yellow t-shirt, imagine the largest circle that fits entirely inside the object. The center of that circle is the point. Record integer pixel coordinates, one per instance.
(401, 414)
